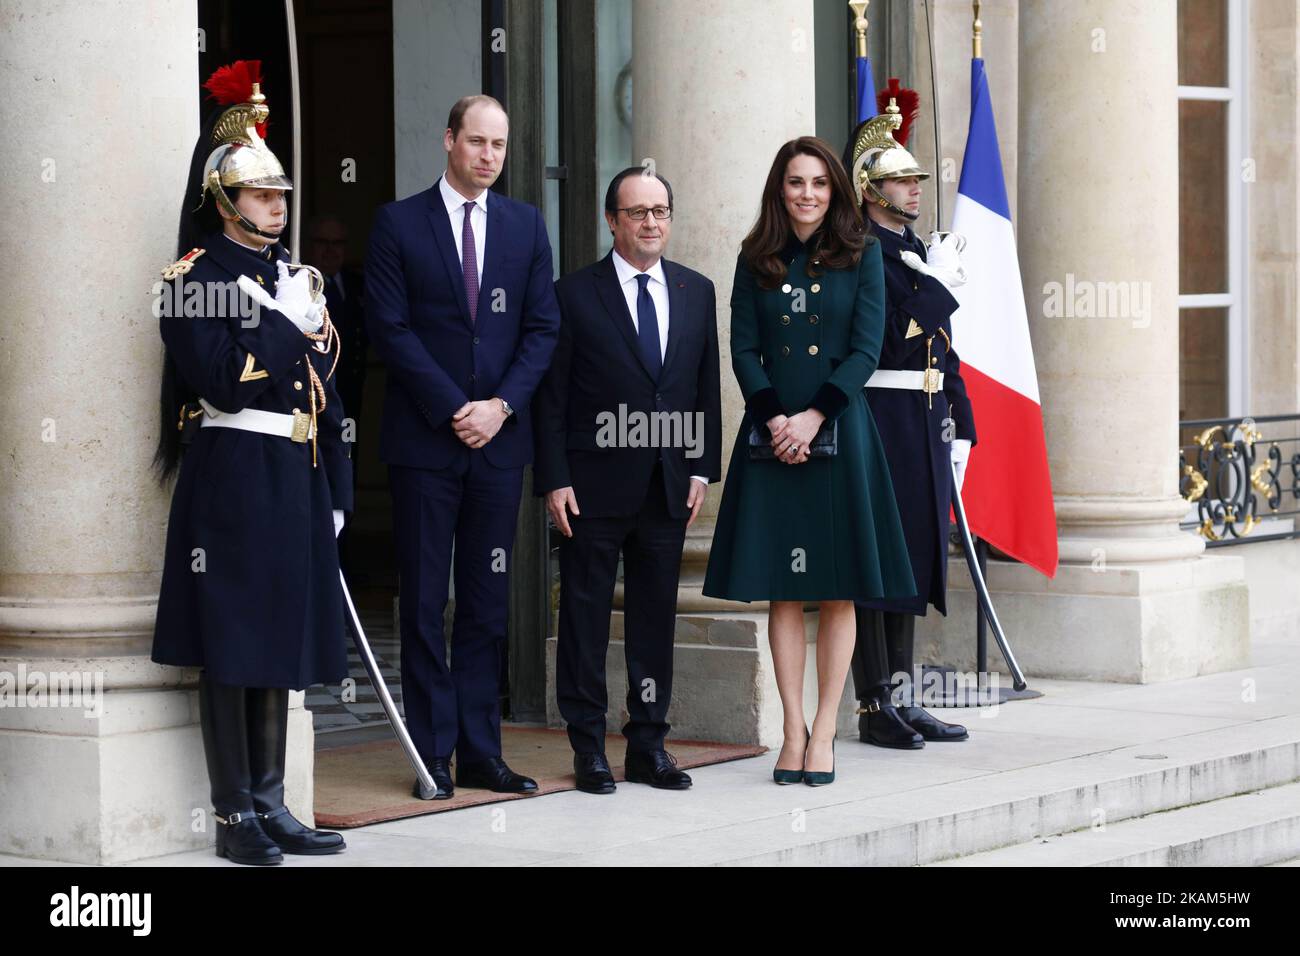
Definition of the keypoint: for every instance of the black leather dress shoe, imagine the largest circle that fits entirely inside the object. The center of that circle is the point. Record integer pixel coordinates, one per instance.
(593, 773)
(292, 836)
(886, 728)
(931, 727)
(657, 768)
(440, 769)
(493, 774)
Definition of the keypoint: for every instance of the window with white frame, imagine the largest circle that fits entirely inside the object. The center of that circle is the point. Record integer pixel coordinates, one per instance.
(1214, 330)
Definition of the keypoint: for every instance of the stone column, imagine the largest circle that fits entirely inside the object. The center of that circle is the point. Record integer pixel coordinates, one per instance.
(715, 94)
(1135, 598)
(101, 109)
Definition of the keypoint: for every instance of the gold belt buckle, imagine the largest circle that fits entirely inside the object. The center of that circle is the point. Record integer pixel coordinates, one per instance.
(931, 381)
(301, 427)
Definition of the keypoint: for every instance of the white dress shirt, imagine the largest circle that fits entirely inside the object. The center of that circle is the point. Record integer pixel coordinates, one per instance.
(456, 213)
(658, 288)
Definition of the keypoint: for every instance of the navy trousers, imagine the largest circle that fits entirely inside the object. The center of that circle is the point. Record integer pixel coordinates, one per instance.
(473, 506)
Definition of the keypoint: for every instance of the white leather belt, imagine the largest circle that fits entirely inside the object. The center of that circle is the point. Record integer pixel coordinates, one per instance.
(295, 427)
(930, 382)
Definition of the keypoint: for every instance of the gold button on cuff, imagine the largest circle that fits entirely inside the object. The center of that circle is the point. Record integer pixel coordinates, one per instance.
(785, 350)
(812, 350)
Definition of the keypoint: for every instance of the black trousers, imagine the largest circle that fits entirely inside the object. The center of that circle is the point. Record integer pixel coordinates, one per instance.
(651, 542)
(883, 648)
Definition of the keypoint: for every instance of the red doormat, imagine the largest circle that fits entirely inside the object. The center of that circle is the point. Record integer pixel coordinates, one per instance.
(370, 783)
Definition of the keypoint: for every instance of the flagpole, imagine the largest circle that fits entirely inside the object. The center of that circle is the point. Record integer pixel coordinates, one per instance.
(865, 87)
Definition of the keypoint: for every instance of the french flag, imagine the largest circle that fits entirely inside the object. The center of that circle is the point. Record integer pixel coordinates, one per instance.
(1008, 487)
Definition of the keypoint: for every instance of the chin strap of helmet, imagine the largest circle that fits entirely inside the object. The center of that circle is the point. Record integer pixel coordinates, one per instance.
(877, 198)
(226, 206)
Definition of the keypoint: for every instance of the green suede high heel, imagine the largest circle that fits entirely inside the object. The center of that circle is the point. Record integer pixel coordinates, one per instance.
(819, 778)
(784, 777)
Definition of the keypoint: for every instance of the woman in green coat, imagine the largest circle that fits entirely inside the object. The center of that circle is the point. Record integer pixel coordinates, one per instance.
(801, 526)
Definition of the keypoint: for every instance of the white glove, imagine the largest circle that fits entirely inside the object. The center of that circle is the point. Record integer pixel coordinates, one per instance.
(943, 259)
(293, 294)
(338, 522)
(284, 302)
(959, 453)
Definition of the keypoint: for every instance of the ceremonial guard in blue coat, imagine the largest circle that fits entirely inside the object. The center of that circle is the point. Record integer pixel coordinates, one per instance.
(919, 404)
(250, 587)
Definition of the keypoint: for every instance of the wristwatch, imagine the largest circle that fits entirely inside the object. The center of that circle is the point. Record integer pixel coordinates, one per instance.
(506, 406)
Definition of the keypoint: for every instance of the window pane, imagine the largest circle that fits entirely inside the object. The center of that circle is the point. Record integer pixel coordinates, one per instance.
(1203, 42)
(613, 103)
(1203, 363)
(1202, 196)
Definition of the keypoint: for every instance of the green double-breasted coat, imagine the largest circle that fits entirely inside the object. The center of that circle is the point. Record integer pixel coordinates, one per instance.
(826, 529)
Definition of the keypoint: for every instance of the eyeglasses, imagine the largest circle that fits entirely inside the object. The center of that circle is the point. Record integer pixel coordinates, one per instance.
(638, 214)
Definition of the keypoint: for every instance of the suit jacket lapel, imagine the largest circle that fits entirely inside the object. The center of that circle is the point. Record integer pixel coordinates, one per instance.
(611, 296)
(676, 309)
(446, 243)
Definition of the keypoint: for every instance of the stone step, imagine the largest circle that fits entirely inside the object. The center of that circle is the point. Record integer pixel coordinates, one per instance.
(956, 820)
(1251, 829)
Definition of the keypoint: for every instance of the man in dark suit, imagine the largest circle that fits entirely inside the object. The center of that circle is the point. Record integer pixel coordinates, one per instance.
(460, 304)
(327, 246)
(628, 439)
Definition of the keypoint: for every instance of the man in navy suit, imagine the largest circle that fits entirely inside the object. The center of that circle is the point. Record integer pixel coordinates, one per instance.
(629, 428)
(461, 308)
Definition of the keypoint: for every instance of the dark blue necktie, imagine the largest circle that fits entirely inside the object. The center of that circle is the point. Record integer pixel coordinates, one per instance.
(647, 321)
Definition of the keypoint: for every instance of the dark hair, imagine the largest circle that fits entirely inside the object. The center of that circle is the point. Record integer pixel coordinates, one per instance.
(611, 194)
(198, 222)
(456, 118)
(842, 235)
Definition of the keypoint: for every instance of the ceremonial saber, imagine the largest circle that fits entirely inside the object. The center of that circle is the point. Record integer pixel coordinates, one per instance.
(425, 780)
(425, 783)
(981, 588)
(934, 98)
(295, 91)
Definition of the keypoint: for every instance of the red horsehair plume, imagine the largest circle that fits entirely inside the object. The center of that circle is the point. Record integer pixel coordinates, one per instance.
(909, 105)
(233, 84)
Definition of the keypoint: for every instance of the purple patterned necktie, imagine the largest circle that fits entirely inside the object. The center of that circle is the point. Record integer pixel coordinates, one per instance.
(469, 262)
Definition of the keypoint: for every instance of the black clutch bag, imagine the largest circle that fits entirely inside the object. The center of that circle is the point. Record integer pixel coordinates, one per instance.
(824, 444)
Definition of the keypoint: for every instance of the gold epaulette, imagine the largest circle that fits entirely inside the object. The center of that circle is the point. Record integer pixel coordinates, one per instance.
(182, 265)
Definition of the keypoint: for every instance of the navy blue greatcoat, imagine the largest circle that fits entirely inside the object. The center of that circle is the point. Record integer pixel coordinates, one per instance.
(250, 588)
(916, 432)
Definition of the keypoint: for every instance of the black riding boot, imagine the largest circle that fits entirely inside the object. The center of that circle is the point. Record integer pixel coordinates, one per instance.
(900, 633)
(223, 719)
(879, 722)
(268, 734)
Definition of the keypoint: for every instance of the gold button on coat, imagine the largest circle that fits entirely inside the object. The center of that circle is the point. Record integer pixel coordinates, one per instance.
(812, 350)
(812, 319)
(785, 350)
(785, 320)
(816, 286)
(297, 386)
